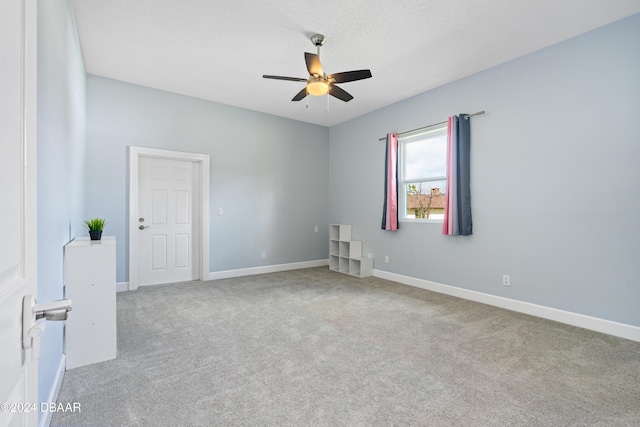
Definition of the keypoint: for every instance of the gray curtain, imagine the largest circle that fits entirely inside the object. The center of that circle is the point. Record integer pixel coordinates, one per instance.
(465, 224)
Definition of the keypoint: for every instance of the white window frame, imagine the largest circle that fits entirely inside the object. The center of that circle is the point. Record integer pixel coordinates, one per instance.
(402, 196)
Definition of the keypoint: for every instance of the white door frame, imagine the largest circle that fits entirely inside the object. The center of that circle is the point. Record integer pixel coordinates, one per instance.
(134, 158)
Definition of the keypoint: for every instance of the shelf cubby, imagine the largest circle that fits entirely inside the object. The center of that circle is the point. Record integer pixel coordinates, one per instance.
(334, 247)
(344, 265)
(334, 262)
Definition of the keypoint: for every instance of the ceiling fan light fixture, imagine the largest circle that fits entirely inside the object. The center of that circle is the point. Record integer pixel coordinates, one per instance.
(317, 87)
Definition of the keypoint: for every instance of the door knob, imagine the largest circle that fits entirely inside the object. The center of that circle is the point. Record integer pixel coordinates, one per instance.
(142, 227)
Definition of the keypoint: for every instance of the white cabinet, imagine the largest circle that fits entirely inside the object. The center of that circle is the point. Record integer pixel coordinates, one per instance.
(345, 255)
(90, 284)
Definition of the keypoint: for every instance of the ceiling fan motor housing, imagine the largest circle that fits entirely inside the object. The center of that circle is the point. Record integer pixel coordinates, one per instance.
(318, 39)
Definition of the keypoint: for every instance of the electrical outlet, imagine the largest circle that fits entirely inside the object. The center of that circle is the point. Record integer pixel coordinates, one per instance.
(264, 255)
(506, 280)
(316, 229)
(386, 259)
(220, 211)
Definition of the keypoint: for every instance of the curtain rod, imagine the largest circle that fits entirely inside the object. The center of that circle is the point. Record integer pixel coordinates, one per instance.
(466, 117)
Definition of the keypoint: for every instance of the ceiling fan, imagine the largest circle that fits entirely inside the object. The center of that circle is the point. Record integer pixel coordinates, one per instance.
(319, 83)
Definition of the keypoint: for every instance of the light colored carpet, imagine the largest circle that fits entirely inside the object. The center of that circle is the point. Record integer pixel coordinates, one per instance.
(317, 348)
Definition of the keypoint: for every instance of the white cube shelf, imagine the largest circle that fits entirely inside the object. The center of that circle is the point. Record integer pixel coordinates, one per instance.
(345, 255)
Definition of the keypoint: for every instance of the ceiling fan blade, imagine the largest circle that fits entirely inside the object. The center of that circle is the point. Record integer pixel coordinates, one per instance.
(300, 95)
(313, 64)
(292, 79)
(340, 93)
(349, 76)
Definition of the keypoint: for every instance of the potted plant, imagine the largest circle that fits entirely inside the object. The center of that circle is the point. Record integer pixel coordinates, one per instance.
(95, 227)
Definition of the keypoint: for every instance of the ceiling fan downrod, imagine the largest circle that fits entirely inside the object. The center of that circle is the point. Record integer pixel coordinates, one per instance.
(318, 40)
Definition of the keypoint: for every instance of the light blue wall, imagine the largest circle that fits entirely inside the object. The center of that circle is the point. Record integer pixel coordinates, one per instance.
(269, 174)
(554, 172)
(61, 139)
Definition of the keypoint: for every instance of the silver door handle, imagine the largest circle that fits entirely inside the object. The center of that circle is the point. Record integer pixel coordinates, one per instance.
(33, 324)
(142, 227)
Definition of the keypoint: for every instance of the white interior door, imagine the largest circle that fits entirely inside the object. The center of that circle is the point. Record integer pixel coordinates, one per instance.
(18, 259)
(168, 208)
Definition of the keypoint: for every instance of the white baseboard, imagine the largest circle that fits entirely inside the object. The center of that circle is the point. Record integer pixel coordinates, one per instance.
(593, 323)
(45, 420)
(226, 274)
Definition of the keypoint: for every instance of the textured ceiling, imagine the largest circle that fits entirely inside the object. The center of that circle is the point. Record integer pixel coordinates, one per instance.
(219, 50)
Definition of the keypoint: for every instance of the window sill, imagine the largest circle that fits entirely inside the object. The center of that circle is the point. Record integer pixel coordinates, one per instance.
(421, 221)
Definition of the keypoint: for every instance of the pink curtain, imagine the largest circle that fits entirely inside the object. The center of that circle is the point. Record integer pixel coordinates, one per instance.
(390, 208)
(450, 207)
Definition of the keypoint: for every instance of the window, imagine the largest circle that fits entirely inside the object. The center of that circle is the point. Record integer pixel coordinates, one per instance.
(422, 175)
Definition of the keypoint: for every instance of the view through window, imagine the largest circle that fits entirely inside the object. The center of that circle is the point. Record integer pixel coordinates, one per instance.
(422, 177)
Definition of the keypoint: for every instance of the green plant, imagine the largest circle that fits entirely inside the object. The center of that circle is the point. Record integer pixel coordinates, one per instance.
(95, 224)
